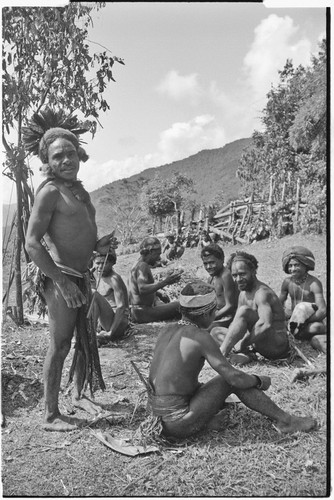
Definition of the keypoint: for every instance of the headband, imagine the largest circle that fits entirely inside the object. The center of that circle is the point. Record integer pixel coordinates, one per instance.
(302, 254)
(195, 301)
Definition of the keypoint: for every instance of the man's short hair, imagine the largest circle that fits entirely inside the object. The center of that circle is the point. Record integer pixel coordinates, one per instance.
(249, 260)
(213, 249)
(112, 258)
(148, 244)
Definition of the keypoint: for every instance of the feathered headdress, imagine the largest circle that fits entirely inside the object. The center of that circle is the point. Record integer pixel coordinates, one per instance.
(47, 126)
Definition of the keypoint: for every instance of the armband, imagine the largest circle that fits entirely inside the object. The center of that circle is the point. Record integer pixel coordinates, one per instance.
(259, 385)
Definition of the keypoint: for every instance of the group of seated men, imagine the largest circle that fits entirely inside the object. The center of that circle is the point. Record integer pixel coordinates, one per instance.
(249, 318)
(225, 321)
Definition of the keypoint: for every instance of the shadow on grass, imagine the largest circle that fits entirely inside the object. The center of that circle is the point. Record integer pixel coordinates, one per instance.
(19, 392)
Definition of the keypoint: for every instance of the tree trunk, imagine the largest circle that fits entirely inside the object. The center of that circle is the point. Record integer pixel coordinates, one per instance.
(19, 241)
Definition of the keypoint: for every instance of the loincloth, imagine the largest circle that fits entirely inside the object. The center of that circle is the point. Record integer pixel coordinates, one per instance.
(167, 408)
(85, 334)
(170, 407)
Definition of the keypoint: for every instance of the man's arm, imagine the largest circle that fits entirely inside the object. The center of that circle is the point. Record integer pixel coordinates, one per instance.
(121, 301)
(284, 291)
(264, 311)
(234, 377)
(321, 313)
(144, 277)
(231, 297)
(40, 219)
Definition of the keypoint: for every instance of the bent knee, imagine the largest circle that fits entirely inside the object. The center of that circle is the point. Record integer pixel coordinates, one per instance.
(244, 311)
(316, 328)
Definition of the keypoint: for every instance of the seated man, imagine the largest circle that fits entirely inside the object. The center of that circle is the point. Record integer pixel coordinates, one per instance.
(259, 322)
(183, 406)
(144, 305)
(303, 287)
(168, 249)
(111, 304)
(226, 289)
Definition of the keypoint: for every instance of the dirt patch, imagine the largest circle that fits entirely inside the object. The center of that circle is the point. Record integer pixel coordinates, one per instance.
(247, 458)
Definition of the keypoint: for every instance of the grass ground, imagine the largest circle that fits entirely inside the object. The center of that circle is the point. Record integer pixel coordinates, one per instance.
(247, 458)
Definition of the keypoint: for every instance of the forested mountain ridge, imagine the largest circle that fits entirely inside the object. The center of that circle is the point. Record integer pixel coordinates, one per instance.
(213, 172)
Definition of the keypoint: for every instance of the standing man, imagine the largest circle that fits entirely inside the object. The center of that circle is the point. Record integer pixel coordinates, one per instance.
(259, 321)
(226, 289)
(144, 305)
(64, 218)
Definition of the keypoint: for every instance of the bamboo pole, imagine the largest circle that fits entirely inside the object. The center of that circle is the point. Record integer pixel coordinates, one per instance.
(295, 229)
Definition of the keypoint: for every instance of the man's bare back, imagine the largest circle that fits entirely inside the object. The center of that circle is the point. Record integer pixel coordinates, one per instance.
(171, 373)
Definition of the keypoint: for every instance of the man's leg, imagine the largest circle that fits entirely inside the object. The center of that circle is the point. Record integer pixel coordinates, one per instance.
(319, 342)
(210, 398)
(61, 322)
(243, 321)
(257, 400)
(102, 311)
(157, 313)
(218, 333)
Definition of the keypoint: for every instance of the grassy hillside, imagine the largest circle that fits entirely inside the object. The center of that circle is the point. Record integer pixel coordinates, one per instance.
(212, 172)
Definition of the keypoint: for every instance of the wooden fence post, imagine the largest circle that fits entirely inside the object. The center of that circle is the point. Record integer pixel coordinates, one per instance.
(295, 229)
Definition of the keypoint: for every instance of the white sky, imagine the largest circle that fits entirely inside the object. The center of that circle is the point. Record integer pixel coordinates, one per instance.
(196, 77)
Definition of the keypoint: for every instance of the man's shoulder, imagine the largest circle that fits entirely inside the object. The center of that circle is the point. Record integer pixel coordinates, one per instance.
(116, 278)
(314, 281)
(263, 290)
(46, 194)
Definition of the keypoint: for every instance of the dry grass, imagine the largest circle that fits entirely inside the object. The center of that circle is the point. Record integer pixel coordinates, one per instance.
(248, 458)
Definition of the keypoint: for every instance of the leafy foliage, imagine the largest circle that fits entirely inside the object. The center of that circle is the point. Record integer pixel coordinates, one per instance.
(163, 197)
(127, 215)
(46, 61)
(293, 143)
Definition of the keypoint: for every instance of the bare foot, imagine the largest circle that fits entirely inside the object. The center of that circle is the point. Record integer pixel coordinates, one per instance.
(219, 421)
(319, 342)
(63, 423)
(303, 424)
(87, 405)
(103, 338)
(240, 359)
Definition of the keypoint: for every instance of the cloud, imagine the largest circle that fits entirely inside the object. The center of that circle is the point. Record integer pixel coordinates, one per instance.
(275, 40)
(179, 141)
(95, 175)
(179, 87)
(271, 47)
(183, 139)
